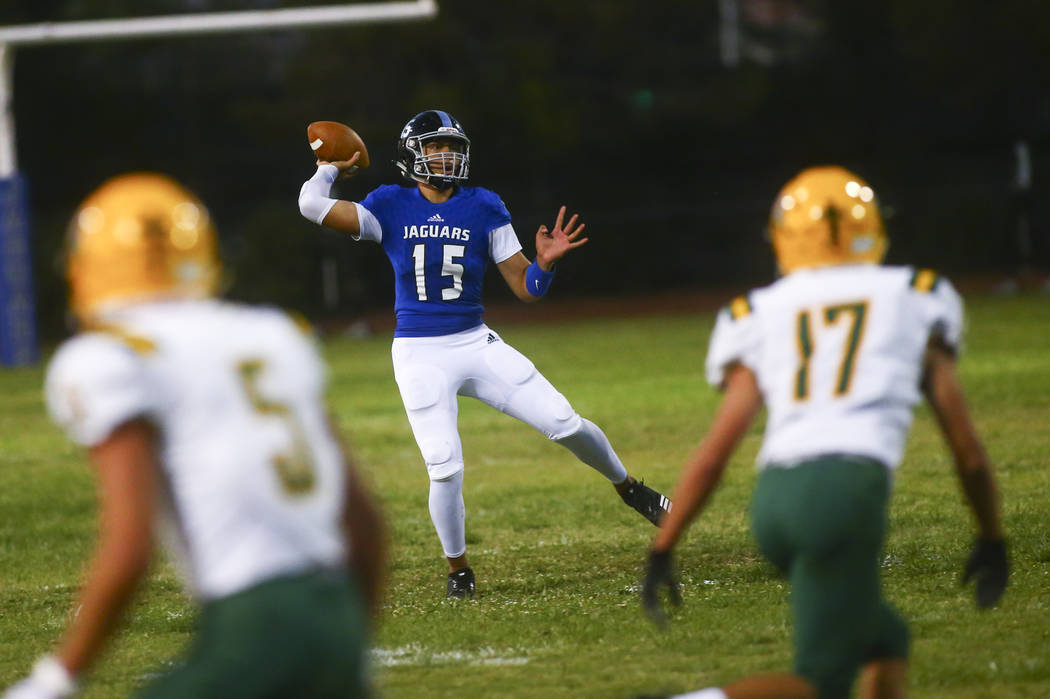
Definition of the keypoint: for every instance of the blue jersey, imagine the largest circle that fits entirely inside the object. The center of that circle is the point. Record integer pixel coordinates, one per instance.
(439, 253)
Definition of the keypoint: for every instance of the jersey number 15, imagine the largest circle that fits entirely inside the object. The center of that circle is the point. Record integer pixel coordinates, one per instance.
(449, 268)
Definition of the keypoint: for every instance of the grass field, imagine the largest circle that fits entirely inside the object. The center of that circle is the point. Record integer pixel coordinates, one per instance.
(558, 557)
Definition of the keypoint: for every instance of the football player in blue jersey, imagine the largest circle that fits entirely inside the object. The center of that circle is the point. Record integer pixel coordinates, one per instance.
(440, 236)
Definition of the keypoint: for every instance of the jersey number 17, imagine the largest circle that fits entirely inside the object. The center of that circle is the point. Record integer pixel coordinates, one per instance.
(857, 312)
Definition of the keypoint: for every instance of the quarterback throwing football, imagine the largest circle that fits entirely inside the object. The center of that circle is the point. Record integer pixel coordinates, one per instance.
(440, 236)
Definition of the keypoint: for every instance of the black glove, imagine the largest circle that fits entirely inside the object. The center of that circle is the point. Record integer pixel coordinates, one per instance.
(988, 563)
(659, 572)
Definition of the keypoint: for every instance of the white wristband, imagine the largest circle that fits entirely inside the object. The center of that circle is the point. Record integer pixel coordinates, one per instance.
(314, 199)
(52, 676)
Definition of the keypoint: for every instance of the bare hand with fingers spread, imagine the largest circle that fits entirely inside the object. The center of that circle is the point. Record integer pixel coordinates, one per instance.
(551, 245)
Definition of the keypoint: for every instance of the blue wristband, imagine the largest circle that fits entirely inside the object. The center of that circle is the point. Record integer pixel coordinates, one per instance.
(536, 280)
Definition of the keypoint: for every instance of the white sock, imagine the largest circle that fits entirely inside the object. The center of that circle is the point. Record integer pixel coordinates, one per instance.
(711, 693)
(448, 514)
(592, 447)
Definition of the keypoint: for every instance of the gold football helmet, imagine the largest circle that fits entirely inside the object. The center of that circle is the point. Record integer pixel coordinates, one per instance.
(826, 216)
(140, 236)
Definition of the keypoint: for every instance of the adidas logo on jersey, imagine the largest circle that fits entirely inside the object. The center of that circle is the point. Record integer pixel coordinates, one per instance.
(437, 218)
(492, 338)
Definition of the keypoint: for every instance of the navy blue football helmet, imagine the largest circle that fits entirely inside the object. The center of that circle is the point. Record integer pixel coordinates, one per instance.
(441, 169)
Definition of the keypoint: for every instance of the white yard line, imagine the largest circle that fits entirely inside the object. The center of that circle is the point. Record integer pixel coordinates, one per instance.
(417, 655)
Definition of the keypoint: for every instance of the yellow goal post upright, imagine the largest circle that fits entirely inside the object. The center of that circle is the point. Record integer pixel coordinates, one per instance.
(18, 337)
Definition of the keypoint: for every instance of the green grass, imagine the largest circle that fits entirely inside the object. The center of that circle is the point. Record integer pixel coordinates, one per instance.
(558, 557)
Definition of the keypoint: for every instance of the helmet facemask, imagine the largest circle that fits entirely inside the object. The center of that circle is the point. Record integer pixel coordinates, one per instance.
(442, 168)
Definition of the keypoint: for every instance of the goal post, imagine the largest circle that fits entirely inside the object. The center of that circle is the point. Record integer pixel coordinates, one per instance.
(18, 337)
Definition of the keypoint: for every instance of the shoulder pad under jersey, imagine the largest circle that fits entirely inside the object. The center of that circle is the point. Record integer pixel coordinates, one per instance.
(924, 280)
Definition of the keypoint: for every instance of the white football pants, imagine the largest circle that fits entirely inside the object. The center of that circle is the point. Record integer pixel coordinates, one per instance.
(432, 371)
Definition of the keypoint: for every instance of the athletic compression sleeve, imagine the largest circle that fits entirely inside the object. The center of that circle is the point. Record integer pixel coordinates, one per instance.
(314, 202)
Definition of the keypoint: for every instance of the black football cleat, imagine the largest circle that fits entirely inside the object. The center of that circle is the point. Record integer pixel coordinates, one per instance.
(460, 584)
(646, 501)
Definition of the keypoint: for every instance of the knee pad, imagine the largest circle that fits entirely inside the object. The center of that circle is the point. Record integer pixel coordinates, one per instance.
(446, 479)
(565, 422)
(437, 455)
(445, 471)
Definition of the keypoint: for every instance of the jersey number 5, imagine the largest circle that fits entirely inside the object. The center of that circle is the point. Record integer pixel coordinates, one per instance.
(295, 469)
(858, 312)
(449, 268)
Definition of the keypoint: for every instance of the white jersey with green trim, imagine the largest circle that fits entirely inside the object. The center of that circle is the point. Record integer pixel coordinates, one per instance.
(253, 479)
(838, 353)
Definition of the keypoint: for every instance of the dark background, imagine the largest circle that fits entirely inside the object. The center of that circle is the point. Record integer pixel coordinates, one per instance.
(624, 111)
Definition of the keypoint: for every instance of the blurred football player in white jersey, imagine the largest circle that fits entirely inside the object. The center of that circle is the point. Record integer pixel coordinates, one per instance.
(838, 350)
(440, 236)
(205, 424)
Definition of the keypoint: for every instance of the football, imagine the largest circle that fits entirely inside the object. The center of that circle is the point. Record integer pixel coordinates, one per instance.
(331, 141)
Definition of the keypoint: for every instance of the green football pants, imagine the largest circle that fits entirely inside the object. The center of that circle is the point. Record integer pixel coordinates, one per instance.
(296, 636)
(823, 522)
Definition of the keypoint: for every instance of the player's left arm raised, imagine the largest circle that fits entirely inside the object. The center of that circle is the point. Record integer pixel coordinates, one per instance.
(530, 281)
